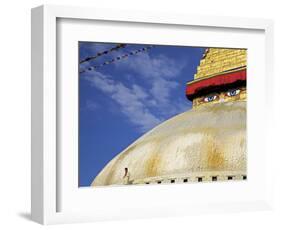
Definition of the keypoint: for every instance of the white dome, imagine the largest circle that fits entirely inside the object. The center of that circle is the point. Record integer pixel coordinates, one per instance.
(208, 141)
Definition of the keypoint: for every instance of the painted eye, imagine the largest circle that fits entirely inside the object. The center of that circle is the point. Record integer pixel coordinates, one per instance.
(233, 92)
(210, 98)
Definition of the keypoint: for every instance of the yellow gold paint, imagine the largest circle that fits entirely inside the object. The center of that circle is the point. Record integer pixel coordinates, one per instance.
(217, 61)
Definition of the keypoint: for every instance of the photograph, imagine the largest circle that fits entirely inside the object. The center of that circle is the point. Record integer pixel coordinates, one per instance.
(161, 114)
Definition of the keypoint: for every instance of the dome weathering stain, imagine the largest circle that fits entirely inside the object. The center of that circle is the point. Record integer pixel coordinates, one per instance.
(206, 139)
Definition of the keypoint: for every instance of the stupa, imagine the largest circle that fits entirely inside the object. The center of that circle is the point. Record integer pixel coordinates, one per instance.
(206, 143)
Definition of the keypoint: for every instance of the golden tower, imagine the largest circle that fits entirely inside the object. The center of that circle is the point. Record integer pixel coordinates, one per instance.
(220, 73)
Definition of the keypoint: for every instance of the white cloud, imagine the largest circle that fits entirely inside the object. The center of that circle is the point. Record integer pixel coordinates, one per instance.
(130, 100)
(144, 108)
(161, 90)
(159, 71)
(152, 67)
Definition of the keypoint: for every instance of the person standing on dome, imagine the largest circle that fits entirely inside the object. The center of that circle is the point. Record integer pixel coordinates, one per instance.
(126, 177)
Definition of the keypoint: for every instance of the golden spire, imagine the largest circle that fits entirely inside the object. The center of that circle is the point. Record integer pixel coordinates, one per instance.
(216, 61)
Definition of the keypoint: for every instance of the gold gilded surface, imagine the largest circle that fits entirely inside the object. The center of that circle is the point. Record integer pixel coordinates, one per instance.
(218, 60)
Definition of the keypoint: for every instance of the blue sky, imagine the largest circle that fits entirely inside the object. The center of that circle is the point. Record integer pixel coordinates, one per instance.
(121, 101)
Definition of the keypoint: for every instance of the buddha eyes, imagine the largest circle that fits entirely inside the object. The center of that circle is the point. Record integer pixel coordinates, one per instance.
(229, 93)
(210, 98)
(233, 92)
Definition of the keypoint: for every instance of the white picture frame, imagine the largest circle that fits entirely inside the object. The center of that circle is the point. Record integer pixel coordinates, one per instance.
(53, 203)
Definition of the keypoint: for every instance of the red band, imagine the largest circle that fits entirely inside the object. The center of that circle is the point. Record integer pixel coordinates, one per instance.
(219, 80)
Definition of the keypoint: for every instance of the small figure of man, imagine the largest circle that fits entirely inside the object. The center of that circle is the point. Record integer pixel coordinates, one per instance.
(126, 177)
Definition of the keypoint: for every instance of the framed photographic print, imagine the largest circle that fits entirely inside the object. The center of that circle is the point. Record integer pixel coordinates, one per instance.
(138, 114)
(161, 137)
